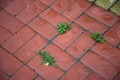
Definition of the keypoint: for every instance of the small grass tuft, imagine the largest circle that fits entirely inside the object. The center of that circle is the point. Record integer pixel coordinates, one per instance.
(63, 27)
(98, 37)
(47, 59)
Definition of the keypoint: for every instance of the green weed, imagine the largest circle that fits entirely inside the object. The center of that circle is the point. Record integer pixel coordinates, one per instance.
(47, 59)
(98, 37)
(63, 27)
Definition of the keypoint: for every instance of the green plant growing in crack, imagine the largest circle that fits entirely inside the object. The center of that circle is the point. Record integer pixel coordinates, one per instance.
(98, 37)
(63, 27)
(47, 59)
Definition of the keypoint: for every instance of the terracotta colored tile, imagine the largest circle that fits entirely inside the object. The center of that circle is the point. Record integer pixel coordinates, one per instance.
(109, 52)
(42, 18)
(8, 63)
(31, 48)
(63, 59)
(91, 24)
(47, 2)
(24, 74)
(76, 9)
(102, 15)
(53, 17)
(3, 76)
(8, 21)
(5, 34)
(17, 40)
(95, 77)
(98, 64)
(67, 38)
(77, 72)
(117, 77)
(43, 27)
(38, 78)
(18, 5)
(48, 72)
(81, 45)
(4, 3)
(113, 35)
(31, 11)
(61, 5)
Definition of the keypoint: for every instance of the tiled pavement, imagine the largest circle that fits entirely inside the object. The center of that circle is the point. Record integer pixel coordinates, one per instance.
(27, 26)
(111, 5)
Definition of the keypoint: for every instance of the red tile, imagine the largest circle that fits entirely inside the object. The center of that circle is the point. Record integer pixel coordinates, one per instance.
(17, 40)
(76, 9)
(5, 34)
(113, 35)
(38, 78)
(31, 48)
(47, 2)
(53, 17)
(67, 38)
(24, 74)
(91, 24)
(63, 60)
(8, 63)
(109, 52)
(4, 3)
(102, 15)
(77, 72)
(81, 45)
(98, 64)
(3, 76)
(31, 11)
(8, 21)
(48, 72)
(61, 5)
(18, 5)
(95, 77)
(43, 27)
(117, 77)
